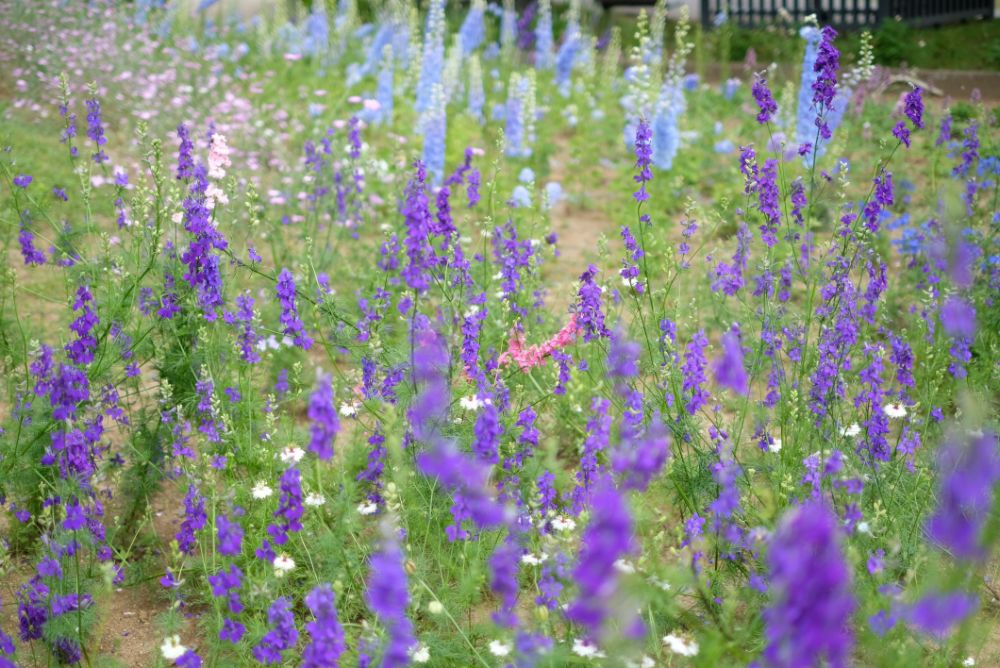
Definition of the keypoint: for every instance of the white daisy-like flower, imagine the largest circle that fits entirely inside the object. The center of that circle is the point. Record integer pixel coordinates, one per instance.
(291, 454)
(471, 403)
(679, 645)
(313, 499)
(662, 584)
(172, 649)
(283, 564)
(623, 566)
(864, 527)
(851, 431)
(435, 607)
(563, 523)
(349, 408)
(895, 410)
(774, 446)
(587, 650)
(498, 648)
(368, 508)
(531, 559)
(261, 490)
(420, 653)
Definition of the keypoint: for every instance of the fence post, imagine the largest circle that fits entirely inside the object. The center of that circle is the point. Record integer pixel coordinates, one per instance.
(706, 20)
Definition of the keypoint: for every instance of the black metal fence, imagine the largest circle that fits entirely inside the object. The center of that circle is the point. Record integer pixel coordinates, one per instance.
(846, 14)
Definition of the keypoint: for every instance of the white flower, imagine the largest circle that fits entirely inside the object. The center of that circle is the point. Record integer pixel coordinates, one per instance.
(498, 648)
(368, 508)
(471, 403)
(313, 499)
(563, 523)
(531, 559)
(261, 490)
(292, 454)
(864, 527)
(623, 566)
(172, 649)
(283, 564)
(435, 607)
(895, 410)
(349, 409)
(969, 661)
(850, 432)
(774, 446)
(645, 662)
(586, 650)
(420, 653)
(679, 645)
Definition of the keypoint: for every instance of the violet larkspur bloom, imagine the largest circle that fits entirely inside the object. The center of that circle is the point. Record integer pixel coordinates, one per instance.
(643, 159)
(388, 597)
(607, 538)
(729, 368)
(589, 315)
(323, 415)
(969, 468)
(694, 372)
(937, 614)
(808, 620)
(762, 95)
(325, 631)
(22, 180)
(282, 636)
(290, 321)
(825, 86)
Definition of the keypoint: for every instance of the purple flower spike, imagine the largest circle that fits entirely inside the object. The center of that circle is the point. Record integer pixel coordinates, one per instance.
(809, 617)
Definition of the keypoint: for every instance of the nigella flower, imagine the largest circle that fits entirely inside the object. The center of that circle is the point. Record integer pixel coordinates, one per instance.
(323, 416)
(290, 321)
(589, 315)
(809, 618)
(969, 470)
(762, 95)
(607, 538)
(729, 368)
(282, 636)
(325, 632)
(643, 159)
(388, 597)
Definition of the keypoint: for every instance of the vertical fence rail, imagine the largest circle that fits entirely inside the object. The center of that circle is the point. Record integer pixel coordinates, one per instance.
(847, 14)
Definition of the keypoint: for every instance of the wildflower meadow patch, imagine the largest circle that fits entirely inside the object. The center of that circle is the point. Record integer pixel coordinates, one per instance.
(472, 334)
